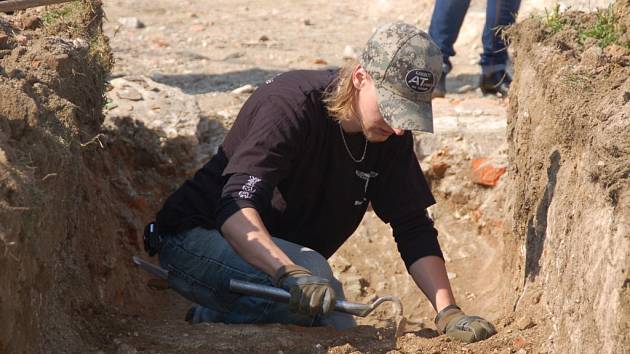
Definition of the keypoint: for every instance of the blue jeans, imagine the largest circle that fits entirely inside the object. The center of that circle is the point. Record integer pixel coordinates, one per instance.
(201, 263)
(447, 19)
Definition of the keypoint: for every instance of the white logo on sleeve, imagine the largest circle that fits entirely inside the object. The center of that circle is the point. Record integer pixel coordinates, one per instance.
(248, 188)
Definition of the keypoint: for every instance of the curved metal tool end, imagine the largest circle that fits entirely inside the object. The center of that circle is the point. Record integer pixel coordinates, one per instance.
(353, 308)
(395, 300)
(399, 320)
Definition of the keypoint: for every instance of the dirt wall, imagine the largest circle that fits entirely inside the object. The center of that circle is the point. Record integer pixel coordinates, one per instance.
(71, 209)
(569, 134)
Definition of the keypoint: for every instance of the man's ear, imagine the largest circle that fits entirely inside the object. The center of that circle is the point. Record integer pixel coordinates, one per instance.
(359, 77)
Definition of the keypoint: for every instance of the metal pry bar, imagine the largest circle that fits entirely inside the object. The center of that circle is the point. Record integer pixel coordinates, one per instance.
(281, 295)
(150, 267)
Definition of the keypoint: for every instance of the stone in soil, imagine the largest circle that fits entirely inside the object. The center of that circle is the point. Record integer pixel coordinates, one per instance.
(244, 89)
(30, 23)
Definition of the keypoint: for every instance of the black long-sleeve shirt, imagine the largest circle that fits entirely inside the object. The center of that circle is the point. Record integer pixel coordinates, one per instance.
(285, 157)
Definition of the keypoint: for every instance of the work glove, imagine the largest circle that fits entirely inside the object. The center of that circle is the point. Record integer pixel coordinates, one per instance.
(459, 326)
(310, 294)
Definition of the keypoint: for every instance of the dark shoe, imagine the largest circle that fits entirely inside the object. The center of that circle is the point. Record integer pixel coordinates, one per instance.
(190, 315)
(497, 82)
(199, 314)
(440, 87)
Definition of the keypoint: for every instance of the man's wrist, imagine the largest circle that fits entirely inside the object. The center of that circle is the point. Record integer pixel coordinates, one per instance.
(441, 306)
(445, 310)
(443, 298)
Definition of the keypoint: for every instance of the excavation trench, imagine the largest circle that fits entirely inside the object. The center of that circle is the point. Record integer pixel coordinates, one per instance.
(543, 252)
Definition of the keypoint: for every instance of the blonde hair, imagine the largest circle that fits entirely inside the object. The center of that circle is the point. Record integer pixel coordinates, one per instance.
(340, 97)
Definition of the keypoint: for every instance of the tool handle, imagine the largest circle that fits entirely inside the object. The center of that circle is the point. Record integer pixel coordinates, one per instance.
(281, 295)
(151, 268)
(275, 294)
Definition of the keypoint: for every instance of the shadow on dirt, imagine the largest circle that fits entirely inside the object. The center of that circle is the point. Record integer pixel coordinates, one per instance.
(537, 228)
(462, 83)
(426, 333)
(195, 84)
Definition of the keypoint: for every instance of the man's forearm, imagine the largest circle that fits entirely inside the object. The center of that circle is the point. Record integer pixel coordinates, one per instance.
(247, 234)
(430, 275)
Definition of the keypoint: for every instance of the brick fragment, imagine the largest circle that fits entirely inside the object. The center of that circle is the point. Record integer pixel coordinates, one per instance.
(486, 174)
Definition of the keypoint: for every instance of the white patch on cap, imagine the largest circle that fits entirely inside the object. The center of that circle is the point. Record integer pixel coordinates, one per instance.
(420, 80)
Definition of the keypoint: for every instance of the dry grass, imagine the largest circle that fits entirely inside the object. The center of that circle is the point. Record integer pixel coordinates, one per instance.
(81, 19)
(604, 26)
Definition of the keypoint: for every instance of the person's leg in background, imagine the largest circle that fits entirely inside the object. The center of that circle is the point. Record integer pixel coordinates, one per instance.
(446, 21)
(200, 264)
(494, 77)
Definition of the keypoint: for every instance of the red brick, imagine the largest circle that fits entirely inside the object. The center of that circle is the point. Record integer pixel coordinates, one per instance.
(484, 173)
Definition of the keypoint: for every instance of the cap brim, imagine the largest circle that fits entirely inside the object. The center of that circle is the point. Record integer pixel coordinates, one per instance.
(401, 113)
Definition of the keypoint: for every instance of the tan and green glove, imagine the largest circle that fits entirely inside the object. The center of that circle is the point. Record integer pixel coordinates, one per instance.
(310, 294)
(453, 322)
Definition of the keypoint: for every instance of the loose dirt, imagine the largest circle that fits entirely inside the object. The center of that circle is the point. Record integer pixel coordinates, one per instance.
(77, 186)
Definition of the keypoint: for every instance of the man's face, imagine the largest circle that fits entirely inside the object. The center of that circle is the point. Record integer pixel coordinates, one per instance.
(372, 123)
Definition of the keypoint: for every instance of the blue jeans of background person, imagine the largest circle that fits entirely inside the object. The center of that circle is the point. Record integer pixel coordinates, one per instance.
(201, 263)
(447, 19)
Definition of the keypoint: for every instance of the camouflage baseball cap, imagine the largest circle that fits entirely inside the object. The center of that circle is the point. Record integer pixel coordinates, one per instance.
(405, 65)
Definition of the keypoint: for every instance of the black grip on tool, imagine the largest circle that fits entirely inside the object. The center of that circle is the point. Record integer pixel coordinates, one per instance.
(152, 239)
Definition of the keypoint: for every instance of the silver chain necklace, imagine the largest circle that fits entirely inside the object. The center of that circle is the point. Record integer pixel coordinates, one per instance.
(343, 137)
